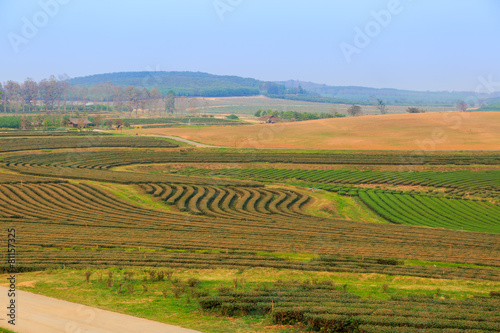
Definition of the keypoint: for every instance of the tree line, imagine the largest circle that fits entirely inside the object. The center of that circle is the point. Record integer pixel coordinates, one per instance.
(52, 95)
(297, 116)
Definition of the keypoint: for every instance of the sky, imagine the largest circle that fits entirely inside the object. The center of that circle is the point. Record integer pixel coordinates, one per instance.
(404, 44)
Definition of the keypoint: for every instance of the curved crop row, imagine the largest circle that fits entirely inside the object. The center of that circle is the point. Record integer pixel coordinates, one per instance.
(232, 202)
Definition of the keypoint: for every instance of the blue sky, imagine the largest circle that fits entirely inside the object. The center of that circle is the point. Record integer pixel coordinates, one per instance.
(414, 44)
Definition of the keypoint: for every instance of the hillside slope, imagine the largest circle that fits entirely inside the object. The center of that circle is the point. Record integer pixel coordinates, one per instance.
(428, 131)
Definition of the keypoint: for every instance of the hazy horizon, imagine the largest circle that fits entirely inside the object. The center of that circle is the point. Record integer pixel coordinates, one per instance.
(409, 45)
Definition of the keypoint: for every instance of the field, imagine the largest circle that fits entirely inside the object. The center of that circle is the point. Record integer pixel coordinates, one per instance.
(421, 132)
(248, 106)
(249, 240)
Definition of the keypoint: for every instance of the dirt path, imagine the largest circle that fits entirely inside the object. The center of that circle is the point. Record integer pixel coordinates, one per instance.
(42, 314)
(200, 145)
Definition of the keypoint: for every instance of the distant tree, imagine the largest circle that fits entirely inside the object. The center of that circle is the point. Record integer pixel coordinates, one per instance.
(1, 93)
(118, 124)
(48, 92)
(415, 110)
(11, 89)
(96, 92)
(355, 110)
(258, 113)
(25, 123)
(97, 120)
(126, 124)
(82, 92)
(129, 95)
(65, 121)
(108, 88)
(108, 123)
(118, 96)
(381, 106)
(462, 106)
(233, 116)
(155, 96)
(170, 102)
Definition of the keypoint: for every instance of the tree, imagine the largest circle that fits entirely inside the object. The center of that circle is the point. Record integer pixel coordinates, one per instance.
(25, 123)
(462, 106)
(1, 93)
(108, 123)
(355, 110)
(83, 91)
(118, 124)
(381, 106)
(48, 92)
(118, 94)
(96, 92)
(11, 89)
(108, 92)
(415, 110)
(155, 95)
(170, 102)
(258, 113)
(97, 120)
(29, 91)
(65, 121)
(130, 96)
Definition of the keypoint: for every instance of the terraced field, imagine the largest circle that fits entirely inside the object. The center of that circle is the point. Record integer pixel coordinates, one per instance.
(465, 181)
(87, 141)
(326, 308)
(109, 159)
(19, 133)
(81, 215)
(230, 203)
(434, 211)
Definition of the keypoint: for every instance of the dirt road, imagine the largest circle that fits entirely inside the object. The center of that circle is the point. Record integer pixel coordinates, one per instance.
(41, 314)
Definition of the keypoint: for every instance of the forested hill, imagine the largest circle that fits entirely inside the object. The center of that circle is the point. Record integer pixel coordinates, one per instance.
(183, 83)
(392, 96)
(209, 85)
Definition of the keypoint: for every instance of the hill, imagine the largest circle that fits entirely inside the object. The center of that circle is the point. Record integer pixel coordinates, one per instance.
(209, 85)
(362, 95)
(427, 131)
(183, 83)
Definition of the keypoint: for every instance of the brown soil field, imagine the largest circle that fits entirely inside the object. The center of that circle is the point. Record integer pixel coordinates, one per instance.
(426, 131)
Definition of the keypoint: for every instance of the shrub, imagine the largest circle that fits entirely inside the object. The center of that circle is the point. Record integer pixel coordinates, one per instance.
(392, 262)
(193, 282)
(87, 276)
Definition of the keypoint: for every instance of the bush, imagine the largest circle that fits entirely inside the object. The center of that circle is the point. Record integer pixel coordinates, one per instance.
(415, 110)
(233, 117)
(391, 262)
(193, 282)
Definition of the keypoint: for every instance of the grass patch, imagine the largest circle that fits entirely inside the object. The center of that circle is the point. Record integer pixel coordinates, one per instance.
(333, 205)
(136, 292)
(133, 194)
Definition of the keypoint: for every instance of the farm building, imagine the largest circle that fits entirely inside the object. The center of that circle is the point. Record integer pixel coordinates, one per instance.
(83, 121)
(268, 119)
